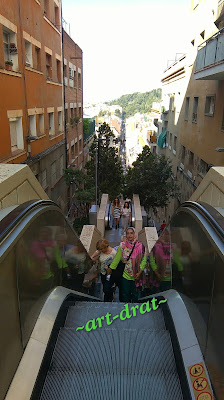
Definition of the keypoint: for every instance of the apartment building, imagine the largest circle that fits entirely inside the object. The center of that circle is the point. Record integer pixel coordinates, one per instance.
(31, 101)
(73, 81)
(193, 96)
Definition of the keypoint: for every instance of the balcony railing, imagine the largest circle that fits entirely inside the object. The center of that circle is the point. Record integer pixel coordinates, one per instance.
(220, 11)
(211, 54)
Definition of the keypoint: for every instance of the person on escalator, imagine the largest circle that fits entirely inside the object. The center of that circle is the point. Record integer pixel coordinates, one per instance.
(132, 253)
(116, 211)
(162, 259)
(42, 255)
(105, 254)
(125, 216)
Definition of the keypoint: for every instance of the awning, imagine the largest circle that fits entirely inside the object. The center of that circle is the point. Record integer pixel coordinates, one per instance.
(162, 138)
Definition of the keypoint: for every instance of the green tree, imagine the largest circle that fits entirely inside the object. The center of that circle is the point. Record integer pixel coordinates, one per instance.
(110, 171)
(117, 113)
(101, 113)
(86, 126)
(151, 177)
(138, 102)
(84, 192)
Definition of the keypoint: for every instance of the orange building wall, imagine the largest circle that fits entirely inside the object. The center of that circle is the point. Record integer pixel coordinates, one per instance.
(74, 95)
(29, 88)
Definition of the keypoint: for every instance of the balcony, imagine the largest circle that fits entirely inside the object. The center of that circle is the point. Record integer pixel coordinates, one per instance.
(218, 16)
(210, 58)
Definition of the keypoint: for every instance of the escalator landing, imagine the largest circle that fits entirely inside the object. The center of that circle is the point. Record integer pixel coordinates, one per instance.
(129, 359)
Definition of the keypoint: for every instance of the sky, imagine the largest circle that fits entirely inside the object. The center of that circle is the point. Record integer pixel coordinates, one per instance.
(126, 43)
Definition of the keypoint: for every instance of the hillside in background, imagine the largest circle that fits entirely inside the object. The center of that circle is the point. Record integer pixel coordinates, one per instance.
(137, 102)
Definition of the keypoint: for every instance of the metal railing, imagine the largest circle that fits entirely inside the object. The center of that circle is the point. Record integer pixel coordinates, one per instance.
(211, 51)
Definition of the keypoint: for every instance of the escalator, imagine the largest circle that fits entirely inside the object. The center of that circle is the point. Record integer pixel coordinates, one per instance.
(148, 355)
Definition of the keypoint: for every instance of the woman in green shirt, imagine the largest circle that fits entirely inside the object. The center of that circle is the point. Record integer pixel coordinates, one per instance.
(133, 265)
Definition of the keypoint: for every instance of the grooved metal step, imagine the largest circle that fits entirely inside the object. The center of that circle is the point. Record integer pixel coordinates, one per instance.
(128, 360)
(114, 351)
(73, 386)
(80, 314)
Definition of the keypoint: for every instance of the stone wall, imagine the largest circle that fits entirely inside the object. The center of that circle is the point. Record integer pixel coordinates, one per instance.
(18, 185)
(138, 213)
(211, 189)
(148, 236)
(89, 236)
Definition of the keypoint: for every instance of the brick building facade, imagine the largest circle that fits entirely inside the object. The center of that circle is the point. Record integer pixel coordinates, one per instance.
(31, 102)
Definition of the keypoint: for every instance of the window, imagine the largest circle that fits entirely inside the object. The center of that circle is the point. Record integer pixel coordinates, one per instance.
(75, 78)
(37, 59)
(80, 112)
(66, 116)
(58, 71)
(222, 127)
(28, 54)
(56, 17)
(191, 160)
(186, 108)
(71, 77)
(183, 154)
(203, 168)
(79, 80)
(209, 105)
(72, 152)
(202, 34)
(195, 110)
(32, 125)
(6, 42)
(16, 134)
(71, 73)
(41, 124)
(72, 113)
(53, 173)
(44, 179)
(76, 149)
(65, 71)
(192, 42)
(48, 66)
(80, 146)
(46, 8)
(51, 123)
(10, 47)
(61, 163)
(174, 145)
(171, 107)
(171, 139)
(60, 121)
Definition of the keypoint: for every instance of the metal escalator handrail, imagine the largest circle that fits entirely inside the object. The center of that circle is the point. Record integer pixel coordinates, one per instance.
(15, 216)
(208, 212)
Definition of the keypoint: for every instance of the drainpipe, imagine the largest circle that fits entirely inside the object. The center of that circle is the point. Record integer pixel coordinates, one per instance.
(63, 83)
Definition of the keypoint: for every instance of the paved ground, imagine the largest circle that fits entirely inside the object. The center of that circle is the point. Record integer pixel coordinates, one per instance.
(113, 236)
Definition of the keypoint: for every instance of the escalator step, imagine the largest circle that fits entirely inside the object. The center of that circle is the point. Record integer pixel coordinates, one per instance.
(124, 351)
(71, 385)
(80, 314)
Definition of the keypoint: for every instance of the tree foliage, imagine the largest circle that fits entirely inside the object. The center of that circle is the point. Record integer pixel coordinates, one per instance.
(118, 113)
(138, 102)
(83, 192)
(151, 178)
(86, 126)
(110, 172)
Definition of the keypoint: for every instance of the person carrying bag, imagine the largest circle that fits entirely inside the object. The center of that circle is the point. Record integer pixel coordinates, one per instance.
(131, 254)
